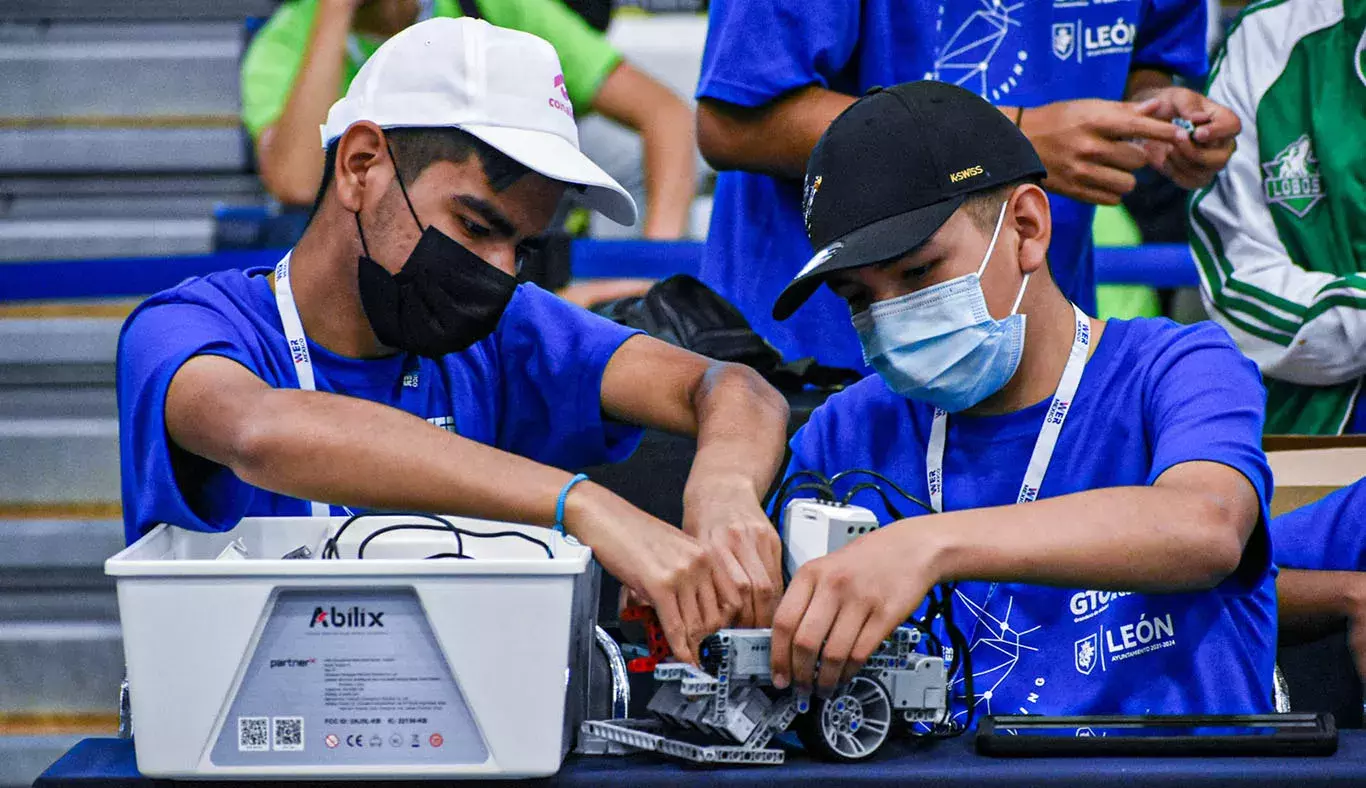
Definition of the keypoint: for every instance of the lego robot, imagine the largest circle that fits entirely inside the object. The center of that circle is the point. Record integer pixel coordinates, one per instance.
(727, 710)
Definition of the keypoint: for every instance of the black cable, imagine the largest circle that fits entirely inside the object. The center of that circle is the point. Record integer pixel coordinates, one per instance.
(449, 555)
(820, 488)
(962, 660)
(501, 534)
(961, 646)
(864, 471)
(330, 547)
(886, 502)
(780, 498)
(459, 532)
(360, 549)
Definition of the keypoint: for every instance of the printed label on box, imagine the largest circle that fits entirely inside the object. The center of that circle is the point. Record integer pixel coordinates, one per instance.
(348, 678)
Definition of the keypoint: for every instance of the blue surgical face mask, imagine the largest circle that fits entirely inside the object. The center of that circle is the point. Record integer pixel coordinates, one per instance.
(941, 345)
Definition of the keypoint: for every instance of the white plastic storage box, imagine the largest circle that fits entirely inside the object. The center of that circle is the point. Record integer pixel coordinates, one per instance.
(391, 666)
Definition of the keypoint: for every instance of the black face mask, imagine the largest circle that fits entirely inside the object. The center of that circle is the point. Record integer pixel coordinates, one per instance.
(443, 300)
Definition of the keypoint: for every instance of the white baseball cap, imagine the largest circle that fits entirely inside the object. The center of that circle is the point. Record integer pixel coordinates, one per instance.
(503, 86)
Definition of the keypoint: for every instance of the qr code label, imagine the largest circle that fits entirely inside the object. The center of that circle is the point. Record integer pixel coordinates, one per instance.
(289, 733)
(253, 734)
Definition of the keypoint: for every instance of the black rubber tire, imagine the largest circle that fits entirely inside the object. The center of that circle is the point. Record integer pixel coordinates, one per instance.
(813, 736)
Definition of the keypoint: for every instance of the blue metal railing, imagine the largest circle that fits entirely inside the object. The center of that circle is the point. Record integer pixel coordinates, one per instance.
(1157, 265)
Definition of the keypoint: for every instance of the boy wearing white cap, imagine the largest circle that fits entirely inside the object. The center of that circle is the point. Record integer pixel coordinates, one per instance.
(390, 360)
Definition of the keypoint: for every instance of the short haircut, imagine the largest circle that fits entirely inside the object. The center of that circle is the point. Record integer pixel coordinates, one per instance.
(416, 149)
(984, 207)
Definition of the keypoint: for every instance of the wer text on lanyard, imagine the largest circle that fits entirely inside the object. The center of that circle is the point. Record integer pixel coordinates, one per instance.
(298, 345)
(1048, 436)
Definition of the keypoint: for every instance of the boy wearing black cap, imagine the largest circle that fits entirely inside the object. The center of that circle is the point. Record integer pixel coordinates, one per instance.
(1100, 487)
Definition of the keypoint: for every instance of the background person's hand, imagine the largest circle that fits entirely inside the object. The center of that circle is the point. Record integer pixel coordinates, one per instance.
(1192, 160)
(840, 607)
(1356, 621)
(347, 7)
(1091, 147)
(745, 545)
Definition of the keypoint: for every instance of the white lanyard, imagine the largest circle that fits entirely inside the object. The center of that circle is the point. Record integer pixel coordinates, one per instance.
(1048, 436)
(298, 345)
(425, 10)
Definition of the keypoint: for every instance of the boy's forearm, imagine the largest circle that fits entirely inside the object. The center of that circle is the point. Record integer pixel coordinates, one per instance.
(741, 433)
(348, 451)
(1314, 604)
(1123, 538)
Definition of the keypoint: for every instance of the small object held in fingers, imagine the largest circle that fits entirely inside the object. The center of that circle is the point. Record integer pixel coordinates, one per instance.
(1185, 124)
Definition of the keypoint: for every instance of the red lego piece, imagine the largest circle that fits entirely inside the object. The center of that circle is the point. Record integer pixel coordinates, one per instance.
(654, 639)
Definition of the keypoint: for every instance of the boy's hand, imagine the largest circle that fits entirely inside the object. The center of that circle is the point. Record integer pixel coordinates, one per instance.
(745, 545)
(840, 607)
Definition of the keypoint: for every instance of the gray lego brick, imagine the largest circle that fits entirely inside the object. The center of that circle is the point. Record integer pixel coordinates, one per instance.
(54, 149)
(646, 736)
(76, 239)
(23, 758)
(120, 69)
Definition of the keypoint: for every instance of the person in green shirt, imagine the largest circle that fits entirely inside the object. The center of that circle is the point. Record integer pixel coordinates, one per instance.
(1280, 235)
(1280, 242)
(306, 55)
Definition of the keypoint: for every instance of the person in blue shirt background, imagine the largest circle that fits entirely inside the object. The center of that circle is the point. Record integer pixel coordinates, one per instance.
(1321, 550)
(1101, 486)
(775, 72)
(391, 361)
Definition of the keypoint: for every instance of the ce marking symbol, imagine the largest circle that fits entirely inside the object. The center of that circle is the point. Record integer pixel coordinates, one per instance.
(355, 740)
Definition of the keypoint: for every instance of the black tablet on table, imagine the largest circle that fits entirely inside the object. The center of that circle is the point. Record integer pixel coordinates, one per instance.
(1165, 735)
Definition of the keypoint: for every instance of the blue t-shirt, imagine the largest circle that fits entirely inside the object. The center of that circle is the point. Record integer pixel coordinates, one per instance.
(1153, 395)
(1327, 534)
(532, 388)
(1013, 53)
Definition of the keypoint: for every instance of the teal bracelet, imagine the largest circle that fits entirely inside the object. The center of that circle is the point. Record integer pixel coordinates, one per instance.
(564, 494)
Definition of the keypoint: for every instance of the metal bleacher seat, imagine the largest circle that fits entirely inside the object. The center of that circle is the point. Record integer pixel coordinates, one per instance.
(119, 125)
(119, 134)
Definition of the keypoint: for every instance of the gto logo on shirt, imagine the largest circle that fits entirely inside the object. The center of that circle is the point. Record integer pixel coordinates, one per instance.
(1089, 604)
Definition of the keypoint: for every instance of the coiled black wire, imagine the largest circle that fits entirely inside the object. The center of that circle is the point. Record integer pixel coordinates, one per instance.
(441, 524)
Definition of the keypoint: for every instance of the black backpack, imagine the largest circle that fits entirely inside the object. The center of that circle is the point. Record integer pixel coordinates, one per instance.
(682, 311)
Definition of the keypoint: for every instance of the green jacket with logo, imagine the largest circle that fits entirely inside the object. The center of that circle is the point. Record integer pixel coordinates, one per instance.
(1280, 236)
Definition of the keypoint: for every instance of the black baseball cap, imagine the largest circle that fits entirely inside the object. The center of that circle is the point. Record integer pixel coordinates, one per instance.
(892, 168)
